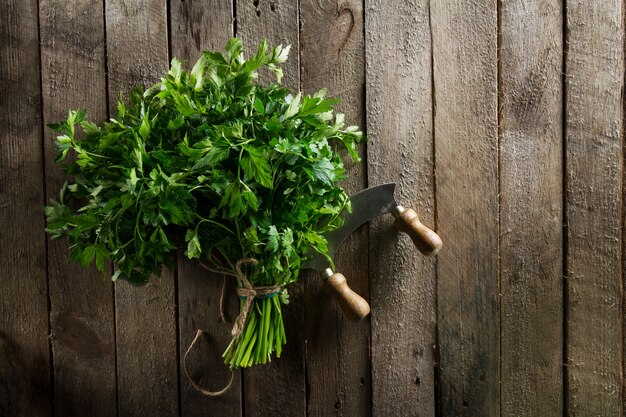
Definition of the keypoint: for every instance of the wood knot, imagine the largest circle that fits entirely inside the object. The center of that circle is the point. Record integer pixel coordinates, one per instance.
(342, 27)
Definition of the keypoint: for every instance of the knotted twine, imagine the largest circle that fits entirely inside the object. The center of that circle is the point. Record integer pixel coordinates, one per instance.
(244, 290)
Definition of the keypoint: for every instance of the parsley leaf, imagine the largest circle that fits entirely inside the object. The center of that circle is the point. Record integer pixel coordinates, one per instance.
(212, 163)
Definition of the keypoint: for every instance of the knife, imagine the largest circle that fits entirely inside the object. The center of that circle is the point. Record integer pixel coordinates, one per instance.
(366, 205)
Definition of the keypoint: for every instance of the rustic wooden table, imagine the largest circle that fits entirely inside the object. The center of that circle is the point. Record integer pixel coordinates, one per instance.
(501, 122)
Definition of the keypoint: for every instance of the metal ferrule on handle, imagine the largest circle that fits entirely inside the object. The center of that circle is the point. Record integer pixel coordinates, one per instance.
(426, 240)
(353, 305)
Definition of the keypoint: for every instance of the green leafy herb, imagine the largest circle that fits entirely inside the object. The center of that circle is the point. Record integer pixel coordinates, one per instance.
(211, 163)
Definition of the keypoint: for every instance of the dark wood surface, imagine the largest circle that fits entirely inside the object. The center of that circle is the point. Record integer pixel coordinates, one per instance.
(25, 360)
(338, 374)
(400, 149)
(465, 74)
(81, 302)
(594, 137)
(502, 125)
(145, 317)
(531, 208)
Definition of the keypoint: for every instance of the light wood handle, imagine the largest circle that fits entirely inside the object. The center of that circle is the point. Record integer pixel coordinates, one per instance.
(426, 240)
(353, 305)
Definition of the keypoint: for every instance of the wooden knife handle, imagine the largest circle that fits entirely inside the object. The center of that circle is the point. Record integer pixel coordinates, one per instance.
(353, 305)
(426, 240)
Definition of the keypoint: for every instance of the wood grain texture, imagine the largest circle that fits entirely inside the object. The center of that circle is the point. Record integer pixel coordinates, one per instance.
(147, 373)
(25, 386)
(147, 367)
(466, 155)
(81, 316)
(337, 354)
(279, 388)
(277, 21)
(514, 338)
(531, 201)
(400, 149)
(198, 26)
(594, 162)
(199, 299)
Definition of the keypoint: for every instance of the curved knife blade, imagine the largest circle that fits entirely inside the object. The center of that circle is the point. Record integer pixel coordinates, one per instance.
(366, 204)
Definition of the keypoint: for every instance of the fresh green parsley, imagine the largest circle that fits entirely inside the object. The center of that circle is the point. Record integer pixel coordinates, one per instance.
(211, 163)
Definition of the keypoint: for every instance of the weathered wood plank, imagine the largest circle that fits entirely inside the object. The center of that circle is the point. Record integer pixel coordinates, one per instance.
(81, 316)
(25, 386)
(147, 368)
(147, 373)
(531, 208)
(400, 149)
(466, 155)
(337, 352)
(277, 21)
(594, 160)
(197, 27)
(199, 299)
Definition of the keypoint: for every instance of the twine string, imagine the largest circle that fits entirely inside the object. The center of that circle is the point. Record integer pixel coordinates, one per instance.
(193, 381)
(246, 291)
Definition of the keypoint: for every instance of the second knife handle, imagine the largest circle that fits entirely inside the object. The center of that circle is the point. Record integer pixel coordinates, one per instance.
(426, 240)
(353, 305)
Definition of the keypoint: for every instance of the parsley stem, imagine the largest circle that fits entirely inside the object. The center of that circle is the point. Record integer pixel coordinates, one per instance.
(202, 219)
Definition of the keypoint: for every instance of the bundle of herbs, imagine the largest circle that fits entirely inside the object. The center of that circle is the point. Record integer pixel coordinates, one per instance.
(241, 176)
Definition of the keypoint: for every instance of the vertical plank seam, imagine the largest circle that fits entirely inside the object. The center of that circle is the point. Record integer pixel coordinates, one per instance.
(435, 347)
(107, 102)
(621, 213)
(364, 123)
(178, 338)
(178, 347)
(300, 64)
(307, 385)
(305, 375)
(242, 389)
(500, 111)
(307, 382)
(168, 28)
(106, 59)
(45, 198)
(340, 394)
(365, 165)
(117, 402)
(234, 3)
(564, 213)
(299, 42)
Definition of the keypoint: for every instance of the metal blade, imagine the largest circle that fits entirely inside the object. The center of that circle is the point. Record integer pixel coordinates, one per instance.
(366, 205)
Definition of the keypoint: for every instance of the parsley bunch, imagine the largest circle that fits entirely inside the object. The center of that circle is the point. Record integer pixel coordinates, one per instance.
(214, 164)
